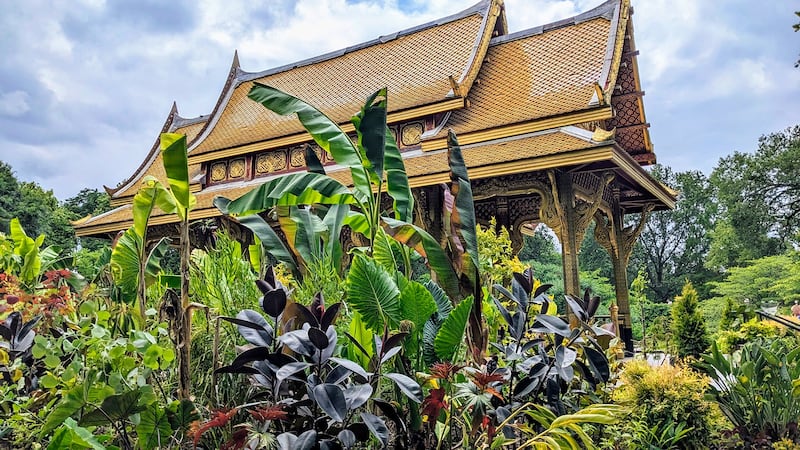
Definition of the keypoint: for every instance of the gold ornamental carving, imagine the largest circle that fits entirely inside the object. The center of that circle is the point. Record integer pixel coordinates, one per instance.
(236, 169)
(412, 134)
(270, 162)
(297, 157)
(219, 171)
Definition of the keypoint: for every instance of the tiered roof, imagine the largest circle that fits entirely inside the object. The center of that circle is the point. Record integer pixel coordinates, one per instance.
(519, 102)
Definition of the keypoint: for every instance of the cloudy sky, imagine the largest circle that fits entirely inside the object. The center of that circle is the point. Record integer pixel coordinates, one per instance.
(86, 84)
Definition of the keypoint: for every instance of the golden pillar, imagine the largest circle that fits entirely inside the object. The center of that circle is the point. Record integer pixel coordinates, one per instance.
(569, 218)
(619, 241)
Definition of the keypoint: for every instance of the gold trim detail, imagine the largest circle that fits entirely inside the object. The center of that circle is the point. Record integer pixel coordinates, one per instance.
(218, 171)
(412, 133)
(270, 162)
(297, 157)
(475, 137)
(236, 168)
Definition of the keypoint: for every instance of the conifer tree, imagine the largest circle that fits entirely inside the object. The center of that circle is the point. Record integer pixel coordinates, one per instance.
(688, 324)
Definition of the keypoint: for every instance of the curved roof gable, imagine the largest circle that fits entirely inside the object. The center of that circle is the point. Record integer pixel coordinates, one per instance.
(526, 76)
(424, 65)
(152, 164)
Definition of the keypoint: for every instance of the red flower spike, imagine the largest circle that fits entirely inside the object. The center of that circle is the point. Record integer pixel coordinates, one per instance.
(219, 418)
(272, 412)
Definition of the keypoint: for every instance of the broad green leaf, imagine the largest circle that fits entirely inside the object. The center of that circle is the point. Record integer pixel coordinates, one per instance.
(181, 414)
(333, 221)
(272, 243)
(154, 429)
(323, 130)
(151, 194)
(416, 304)
(75, 399)
(302, 188)
(113, 408)
(451, 333)
(313, 164)
(61, 439)
(372, 292)
(423, 243)
(361, 334)
(370, 124)
(396, 180)
(176, 164)
(81, 436)
(462, 217)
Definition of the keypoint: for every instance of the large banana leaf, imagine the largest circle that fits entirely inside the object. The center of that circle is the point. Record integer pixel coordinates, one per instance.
(370, 124)
(372, 292)
(303, 231)
(451, 333)
(293, 189)
(396, 180)
(176, 165)
(324, 131)
(268, 237)
(333, 221)
(418, 239)
(151, 194)
(461, 213)
(28, 250)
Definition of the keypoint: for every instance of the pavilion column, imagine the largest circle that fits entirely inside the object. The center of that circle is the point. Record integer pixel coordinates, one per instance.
(619, 241)
(569, 218)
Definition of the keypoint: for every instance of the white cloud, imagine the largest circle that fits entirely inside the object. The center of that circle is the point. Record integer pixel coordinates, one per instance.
(14, 103)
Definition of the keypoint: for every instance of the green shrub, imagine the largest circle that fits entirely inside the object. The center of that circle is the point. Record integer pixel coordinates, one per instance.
(666, 402)
(688, 326)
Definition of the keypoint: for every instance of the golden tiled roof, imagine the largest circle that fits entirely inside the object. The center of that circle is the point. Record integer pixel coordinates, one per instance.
(526, 76)
(415, 65)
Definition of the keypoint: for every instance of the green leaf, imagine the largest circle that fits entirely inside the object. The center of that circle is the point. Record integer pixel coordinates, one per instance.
(313, 164)
(114, 408)
(151, 194)
(364, 337)
(61, 439)
(370, 124)
(302, 188)
(272, 243)
(181, 414)
(77, 398)
(451, 333)
(423, 243)
(125, 264)
(154, 429)
(397, 180)
(323, 130)
(372, 292)
(176, 164)
(416, 304)
(82, 436)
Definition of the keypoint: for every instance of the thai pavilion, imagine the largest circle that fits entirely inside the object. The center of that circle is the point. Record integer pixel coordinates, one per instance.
(550, 119)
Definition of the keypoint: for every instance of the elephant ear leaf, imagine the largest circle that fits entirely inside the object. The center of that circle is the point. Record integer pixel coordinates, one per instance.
(451, 333)
(154, 429)
(373, 293)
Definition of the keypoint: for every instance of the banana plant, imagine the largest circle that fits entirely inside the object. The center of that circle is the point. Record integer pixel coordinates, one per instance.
(375, 166)
(28, 259)
(177, 199)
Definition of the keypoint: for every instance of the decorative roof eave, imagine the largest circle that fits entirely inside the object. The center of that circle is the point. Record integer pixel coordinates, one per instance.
(149, 159)
(495, 12)
(616, 40)
(632, 43)
(237, 76)
(546, 123)
(634, 170)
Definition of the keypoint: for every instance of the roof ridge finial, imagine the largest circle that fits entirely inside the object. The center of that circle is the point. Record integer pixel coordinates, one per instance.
(235, 63)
